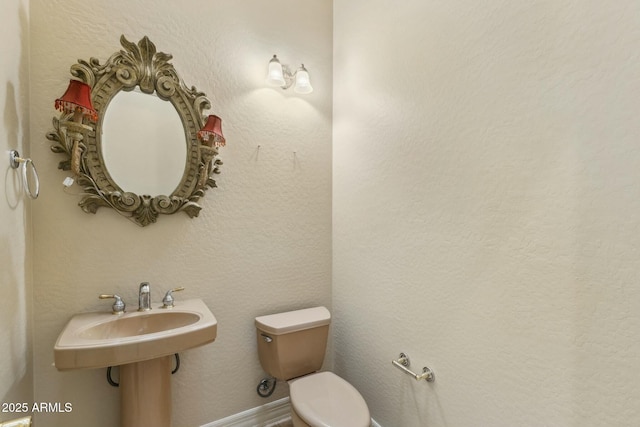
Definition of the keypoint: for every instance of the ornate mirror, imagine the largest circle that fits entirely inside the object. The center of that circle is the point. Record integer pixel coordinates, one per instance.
(140, 144)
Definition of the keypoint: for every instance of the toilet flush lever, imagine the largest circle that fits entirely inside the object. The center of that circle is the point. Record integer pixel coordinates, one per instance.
(266, 338)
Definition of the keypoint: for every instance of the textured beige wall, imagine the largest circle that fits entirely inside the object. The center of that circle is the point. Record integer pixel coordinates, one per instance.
(16, 383)
(262, 242)
(487, 210)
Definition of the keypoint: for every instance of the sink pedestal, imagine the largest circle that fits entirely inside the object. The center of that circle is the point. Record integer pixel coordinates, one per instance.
(145, 393)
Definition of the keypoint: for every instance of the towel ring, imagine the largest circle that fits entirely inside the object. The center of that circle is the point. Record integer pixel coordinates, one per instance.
(14, 161)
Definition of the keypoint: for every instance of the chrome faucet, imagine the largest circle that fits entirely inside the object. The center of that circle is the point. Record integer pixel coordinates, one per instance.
(118, 306)
(144, 297)
(168, 301)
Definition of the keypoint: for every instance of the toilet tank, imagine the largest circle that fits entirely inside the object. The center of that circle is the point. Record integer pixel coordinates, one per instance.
(293, 344)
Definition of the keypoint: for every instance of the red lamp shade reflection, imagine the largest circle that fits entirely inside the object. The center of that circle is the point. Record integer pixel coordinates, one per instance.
(77, 99)
(212, 130)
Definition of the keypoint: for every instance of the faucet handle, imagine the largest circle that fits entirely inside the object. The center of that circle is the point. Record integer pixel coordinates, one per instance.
(118, 305)
(167, 301)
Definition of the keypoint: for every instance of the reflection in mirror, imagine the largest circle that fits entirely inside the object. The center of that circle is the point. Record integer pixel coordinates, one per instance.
(143, 144)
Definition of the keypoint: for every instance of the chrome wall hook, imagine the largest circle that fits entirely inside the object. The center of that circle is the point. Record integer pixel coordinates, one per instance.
(15, 161)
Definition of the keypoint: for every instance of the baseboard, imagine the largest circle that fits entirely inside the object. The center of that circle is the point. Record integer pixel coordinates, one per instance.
(22, 422)
(265, 415)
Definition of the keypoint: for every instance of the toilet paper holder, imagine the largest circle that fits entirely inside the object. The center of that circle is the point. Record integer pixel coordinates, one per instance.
(403, 364)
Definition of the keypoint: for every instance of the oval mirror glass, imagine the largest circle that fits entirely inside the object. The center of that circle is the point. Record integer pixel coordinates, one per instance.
(143, 144)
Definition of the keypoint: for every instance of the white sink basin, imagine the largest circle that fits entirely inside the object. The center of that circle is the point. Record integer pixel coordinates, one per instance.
(102, 339)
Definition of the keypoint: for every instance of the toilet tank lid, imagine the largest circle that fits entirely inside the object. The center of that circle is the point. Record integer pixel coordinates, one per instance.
(292, 321)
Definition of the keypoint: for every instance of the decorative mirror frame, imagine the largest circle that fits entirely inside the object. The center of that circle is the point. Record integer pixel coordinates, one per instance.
(142, 66)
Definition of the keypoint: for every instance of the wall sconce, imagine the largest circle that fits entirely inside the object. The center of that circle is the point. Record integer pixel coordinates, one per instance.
(76, 100)
(211, 133)
(281, 75)
(211, 138)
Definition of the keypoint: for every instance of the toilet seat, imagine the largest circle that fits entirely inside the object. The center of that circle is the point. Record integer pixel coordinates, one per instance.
(326, 400)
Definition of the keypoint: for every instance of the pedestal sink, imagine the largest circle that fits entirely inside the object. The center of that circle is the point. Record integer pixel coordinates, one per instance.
(142, 344)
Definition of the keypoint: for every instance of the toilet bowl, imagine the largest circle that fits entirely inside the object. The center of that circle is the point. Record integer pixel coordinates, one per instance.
(291, 347)
(325, 399)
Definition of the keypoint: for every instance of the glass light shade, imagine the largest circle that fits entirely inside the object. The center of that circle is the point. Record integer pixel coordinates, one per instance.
(211, 133)
(303, 83)
(275, 76)
(77, 95)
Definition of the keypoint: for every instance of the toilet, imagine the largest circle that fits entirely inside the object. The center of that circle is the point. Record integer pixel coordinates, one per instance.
(291, 347)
